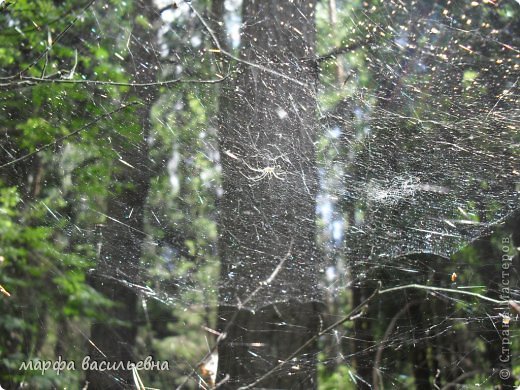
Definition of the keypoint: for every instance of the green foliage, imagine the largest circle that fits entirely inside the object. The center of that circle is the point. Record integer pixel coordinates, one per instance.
(339, 379)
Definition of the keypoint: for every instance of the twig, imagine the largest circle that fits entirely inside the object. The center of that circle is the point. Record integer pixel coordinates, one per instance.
(376, 373)
(4, 291)
(515, 306)
(449, 290)
(341, 50)
(28, 80)
(137, 379)
(222, 382)
(57, 140)
(460, 378)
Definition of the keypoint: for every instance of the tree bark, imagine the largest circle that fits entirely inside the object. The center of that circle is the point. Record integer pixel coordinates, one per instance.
(419, 349)
(267, 226)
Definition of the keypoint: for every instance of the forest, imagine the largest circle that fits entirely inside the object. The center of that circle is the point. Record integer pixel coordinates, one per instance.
(259, 194)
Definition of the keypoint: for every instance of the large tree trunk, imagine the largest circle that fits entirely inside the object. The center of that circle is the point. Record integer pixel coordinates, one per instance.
(122, 237)
(267, 226)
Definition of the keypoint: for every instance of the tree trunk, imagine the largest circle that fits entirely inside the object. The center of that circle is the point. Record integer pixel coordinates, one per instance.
(267, 226)
(363, 358)
(420, 364)
(122, 236)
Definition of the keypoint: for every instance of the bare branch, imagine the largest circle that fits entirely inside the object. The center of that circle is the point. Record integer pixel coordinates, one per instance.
(377, 380)
(448, 290)
(28, 81)
(461, 378)
(341, 50)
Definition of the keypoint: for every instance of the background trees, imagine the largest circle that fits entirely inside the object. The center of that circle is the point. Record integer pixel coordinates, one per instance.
(121, 238)
(183, 171)
(267, 135)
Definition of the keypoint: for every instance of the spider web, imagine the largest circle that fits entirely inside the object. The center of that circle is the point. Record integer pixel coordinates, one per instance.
(417, 160)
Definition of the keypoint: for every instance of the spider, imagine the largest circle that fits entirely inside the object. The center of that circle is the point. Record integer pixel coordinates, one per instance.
(267, 172)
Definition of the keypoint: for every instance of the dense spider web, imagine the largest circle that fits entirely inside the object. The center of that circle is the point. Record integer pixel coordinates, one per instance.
(417, 158)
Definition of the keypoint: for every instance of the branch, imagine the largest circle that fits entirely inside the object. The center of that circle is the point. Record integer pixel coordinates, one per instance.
(460, 378)
(4, 291)
(341, 50)
(376, 372)
(449, 290)
(28, 80)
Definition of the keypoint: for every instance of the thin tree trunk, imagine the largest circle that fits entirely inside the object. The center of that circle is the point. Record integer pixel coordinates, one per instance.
(122, 236)
(267, 229)
(420, 364)
(363, 359)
